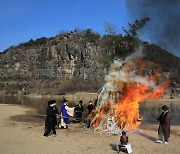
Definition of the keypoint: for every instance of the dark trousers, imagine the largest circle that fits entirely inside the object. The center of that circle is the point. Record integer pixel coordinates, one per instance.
(89, 124)
(49, 130)
(163, 132)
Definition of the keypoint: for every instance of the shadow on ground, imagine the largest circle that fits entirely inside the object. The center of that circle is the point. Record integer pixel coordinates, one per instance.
(148, 137)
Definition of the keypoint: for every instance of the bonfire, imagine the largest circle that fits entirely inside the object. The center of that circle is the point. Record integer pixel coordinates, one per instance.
(123, 91)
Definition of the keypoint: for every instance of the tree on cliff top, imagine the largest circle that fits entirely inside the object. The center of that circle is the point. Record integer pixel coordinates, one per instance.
(135, 27)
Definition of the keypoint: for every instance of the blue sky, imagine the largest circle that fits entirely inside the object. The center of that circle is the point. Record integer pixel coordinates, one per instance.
(21, 20)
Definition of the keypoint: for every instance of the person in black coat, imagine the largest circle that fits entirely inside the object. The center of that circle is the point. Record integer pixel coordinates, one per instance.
(90, 107)
(56, 111)
(164, 126)
(79, 109)
(50, 119)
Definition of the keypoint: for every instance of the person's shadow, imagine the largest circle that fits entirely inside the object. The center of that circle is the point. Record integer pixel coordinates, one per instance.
(147, 137)
(113, 147)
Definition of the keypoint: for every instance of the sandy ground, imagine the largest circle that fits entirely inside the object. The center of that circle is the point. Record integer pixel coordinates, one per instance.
(21, 133)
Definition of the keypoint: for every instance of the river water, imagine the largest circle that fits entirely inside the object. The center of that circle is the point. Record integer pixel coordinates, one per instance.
(149, 110)
(38, 102)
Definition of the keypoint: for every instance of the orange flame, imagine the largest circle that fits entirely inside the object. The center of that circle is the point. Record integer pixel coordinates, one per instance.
(157, 74)
(155, 77)
(101, 113)
(126, 111)
(160, 90)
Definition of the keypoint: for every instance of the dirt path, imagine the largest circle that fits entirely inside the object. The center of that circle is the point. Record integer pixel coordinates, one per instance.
(26, 137)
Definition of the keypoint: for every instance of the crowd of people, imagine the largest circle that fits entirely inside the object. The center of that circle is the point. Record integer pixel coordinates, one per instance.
(60, 119)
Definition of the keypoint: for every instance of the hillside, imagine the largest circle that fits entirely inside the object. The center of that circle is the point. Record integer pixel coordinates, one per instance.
(73, 61)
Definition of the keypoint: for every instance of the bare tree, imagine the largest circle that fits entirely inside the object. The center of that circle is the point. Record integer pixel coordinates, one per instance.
(110, 28)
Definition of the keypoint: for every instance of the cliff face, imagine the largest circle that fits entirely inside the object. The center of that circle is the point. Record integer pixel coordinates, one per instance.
(72, 62)
(64, 57)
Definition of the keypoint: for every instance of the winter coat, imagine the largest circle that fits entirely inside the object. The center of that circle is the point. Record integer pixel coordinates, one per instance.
(90, 108)
(164, 126)
(50, 117)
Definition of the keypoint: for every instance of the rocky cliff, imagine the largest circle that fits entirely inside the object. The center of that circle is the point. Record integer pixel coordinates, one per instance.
(73, 61)
(64, 57)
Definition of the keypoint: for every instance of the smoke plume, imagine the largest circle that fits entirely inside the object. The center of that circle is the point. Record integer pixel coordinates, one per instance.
(125, 87)
(164, 26)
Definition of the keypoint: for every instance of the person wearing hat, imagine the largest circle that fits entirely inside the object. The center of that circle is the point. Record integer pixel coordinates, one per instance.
(164, 126)
(123, 145)
(79, 109)
(65, 113)
(50, 119)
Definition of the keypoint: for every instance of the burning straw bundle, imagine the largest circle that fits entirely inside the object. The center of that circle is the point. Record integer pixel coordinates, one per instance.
(118, 104)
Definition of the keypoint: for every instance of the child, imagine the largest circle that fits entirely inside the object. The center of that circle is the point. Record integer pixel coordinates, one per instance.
(50, 119)
(123, 145)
